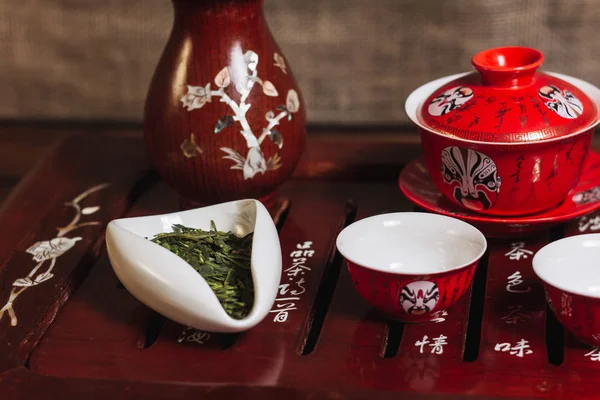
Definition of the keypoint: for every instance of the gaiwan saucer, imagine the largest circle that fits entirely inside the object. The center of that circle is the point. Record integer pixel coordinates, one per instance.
(417, 186)
(170, 286)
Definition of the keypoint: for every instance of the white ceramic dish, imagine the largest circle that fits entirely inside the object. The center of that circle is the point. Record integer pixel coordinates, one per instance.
(170, 286)
(571, 264)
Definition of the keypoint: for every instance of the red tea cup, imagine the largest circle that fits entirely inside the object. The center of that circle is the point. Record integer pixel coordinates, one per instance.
(570, 273)
(411, 265)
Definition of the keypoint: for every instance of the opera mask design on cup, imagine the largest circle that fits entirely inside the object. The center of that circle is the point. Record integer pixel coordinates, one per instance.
(564, 103)
(473, 177)
(449, 100)
(420, 297)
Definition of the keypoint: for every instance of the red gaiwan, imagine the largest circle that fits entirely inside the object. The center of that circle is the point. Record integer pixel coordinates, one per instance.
(506, 139)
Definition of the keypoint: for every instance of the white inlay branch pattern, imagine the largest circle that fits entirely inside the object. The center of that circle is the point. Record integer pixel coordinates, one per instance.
(47, 251)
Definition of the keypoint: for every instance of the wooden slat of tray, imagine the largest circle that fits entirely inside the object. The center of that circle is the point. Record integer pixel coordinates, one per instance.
(515, 307)
(70, 168)
(43, 218)
(101, 333)
(103, 326)
(21, 383)
(513, 319)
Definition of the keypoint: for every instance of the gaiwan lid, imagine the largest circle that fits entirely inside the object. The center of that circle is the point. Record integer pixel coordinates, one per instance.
(507, 100)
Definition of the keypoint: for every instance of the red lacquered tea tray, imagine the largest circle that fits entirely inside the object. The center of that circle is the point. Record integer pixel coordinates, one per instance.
(69, 329)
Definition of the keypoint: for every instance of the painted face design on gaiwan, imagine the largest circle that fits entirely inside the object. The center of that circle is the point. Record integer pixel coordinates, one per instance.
(418, 298)
(564, 103)
(589, 196)
(449, 100)
(473, 177)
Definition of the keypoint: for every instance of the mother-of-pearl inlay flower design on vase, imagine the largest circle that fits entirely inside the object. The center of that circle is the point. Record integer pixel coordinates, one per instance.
(279, 62)
(190, 148)
(245, 78)
(47, 251)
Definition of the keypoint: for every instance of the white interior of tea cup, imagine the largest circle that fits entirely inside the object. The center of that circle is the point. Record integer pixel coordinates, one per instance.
(571, 264)
(411, 243)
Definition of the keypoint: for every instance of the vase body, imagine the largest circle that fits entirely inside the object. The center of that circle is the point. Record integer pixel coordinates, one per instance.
(224, 118)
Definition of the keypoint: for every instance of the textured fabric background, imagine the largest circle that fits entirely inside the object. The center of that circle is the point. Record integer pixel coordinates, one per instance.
(356, 60)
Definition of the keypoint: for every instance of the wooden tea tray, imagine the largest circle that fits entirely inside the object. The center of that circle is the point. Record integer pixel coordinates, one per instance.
(78, 334)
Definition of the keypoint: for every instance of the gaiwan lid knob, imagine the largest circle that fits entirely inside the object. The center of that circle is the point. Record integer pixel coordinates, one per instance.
(508, 100)
(508, 67)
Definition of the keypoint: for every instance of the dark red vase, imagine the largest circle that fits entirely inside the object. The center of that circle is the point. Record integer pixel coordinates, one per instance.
(224, 117)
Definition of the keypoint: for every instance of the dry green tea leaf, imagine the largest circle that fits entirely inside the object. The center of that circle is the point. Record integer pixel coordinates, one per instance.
(221, 258)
